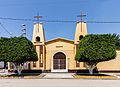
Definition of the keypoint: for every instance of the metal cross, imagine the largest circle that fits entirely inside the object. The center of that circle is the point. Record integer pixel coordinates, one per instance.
(81, 16)
(81, 20)
(38, 17)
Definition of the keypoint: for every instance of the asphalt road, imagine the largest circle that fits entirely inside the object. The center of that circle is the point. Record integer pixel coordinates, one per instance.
(58, 83)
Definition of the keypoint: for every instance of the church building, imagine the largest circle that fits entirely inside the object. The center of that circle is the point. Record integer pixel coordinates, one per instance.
(58, 55)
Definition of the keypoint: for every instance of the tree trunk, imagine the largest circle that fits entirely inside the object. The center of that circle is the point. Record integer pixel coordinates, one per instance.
(18, 68)
(90, 66)
(14, 66)
(90, 71)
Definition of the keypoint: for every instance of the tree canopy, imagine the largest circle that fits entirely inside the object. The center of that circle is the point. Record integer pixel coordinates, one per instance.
(95, 48)
(117, 40)
(17, 49)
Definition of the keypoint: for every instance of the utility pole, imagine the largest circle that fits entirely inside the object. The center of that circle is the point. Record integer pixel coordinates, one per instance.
(38, 17)
(81, 18)
(23, 29)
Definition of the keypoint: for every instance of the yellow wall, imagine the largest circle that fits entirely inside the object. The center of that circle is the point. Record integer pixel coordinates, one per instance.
(110, 65)
(65, 47)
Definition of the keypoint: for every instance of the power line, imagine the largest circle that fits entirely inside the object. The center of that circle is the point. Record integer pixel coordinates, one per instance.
(17, 19)
(64, 21)
(55, 21)
(107, 22)
(5, 29)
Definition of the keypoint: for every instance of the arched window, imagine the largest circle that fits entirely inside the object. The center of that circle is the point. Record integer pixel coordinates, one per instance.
(80, 37)
(37, 38)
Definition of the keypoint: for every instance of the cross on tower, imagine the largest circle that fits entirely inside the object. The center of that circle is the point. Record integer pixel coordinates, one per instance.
(81, 18)
(38, 17)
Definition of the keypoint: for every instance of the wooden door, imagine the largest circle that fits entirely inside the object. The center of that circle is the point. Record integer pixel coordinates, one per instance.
(59, 61)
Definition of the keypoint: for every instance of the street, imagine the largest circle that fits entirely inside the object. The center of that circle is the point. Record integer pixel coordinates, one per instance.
(58, 83)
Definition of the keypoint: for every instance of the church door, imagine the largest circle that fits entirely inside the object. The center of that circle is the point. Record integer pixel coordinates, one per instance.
(59, 61)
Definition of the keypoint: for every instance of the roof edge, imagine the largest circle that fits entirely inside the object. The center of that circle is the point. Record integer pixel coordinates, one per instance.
(62, 39)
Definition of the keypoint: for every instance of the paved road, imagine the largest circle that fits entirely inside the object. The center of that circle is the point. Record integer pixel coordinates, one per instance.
(58, 83)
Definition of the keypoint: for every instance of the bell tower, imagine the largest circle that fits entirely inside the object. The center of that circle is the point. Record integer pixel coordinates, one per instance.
(38, 40)
(38, 34)
(81, 31)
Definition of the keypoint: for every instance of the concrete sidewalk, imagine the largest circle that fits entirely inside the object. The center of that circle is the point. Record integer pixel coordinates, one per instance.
(58, 75)
(113, 74)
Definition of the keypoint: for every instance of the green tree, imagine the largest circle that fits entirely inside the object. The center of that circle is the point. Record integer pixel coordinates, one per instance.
(117, 40)
(93, 49)
(17, 50)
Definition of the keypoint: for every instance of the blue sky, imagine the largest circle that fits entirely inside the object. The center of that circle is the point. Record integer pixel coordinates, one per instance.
(96, 10)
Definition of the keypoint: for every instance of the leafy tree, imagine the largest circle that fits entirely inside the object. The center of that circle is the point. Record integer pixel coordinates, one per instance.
(93, 49)
(17, 50)
(3, 48)
(117, 40)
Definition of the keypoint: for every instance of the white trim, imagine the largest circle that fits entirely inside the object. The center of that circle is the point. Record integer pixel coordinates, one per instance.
(59, 70)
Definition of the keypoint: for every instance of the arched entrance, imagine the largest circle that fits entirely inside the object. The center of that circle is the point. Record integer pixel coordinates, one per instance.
(59, 61)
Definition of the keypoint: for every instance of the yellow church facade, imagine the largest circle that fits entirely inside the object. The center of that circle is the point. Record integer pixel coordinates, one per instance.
(58, 55)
